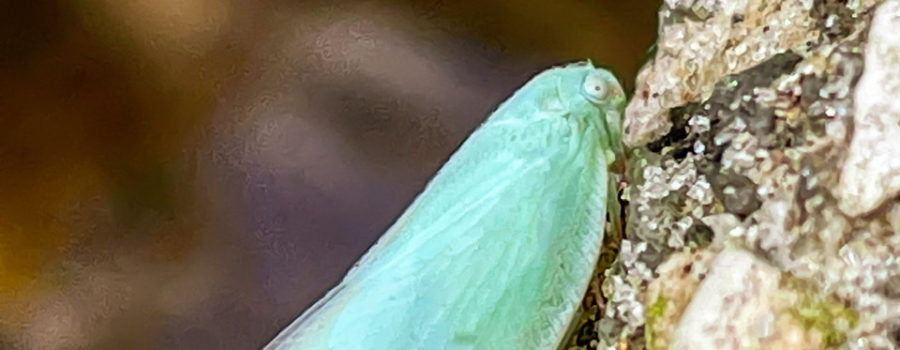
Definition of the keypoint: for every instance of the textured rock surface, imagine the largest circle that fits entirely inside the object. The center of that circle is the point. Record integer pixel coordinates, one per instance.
(762, 187)
(702, 40)
(733, 298)
(871, 173)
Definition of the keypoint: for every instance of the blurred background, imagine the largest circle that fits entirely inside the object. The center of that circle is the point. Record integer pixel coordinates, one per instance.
(193, 174)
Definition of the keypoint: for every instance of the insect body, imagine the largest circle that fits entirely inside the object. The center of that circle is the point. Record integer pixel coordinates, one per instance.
(498, 250)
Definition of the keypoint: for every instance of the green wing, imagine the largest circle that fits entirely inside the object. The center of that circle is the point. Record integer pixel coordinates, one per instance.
(496, 253)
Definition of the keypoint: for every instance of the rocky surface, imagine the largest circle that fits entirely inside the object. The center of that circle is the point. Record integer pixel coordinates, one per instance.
(762, 191)
(871, 173)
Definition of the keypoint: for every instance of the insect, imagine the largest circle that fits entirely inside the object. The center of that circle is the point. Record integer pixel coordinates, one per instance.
(498, 250)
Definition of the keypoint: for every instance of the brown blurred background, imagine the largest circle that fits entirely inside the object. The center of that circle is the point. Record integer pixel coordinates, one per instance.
(193, 174)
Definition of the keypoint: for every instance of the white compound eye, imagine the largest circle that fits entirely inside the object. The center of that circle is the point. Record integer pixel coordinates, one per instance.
(595, 88)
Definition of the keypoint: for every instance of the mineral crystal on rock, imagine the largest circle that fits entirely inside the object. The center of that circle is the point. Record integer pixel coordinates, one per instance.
(762, 189)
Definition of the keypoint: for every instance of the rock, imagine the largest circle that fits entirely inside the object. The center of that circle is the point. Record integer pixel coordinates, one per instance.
(775, 161)
(734, 309)
(871, 173)
(669, 295)
(700, 41)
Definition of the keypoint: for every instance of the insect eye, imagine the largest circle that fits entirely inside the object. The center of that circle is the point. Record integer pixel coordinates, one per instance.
(595, 88)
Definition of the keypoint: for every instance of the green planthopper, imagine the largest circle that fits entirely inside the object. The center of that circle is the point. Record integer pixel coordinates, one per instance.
(498, 250)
